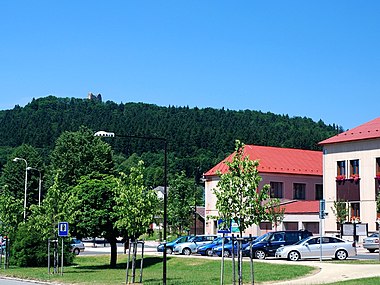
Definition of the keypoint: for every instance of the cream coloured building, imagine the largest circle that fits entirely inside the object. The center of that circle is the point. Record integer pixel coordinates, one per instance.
(295, 177)
(351, 173)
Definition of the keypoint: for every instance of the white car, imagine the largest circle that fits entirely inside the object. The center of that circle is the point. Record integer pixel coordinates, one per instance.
(332, 247)
(190, 246)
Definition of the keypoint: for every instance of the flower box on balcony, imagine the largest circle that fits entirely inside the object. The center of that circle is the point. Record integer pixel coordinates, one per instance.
(355, 177)
(340, 178)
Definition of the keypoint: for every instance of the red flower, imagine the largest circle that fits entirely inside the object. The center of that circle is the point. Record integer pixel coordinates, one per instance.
(341, 177)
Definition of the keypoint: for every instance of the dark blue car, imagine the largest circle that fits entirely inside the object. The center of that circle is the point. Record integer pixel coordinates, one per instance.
(207, 249)
(228, 247)
(170, 245)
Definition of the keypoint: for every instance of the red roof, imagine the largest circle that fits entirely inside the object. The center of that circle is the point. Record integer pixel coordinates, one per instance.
(278, 160)
(301, 207)
(370, 130)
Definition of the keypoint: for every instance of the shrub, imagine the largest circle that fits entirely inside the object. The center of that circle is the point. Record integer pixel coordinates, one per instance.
(29, 248)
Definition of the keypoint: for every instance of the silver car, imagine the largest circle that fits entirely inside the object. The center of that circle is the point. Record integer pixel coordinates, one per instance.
(77, 246)
(189, 247)
(371, 243)
(332, 247)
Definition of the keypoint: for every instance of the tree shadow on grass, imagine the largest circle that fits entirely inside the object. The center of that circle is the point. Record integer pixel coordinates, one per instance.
(148, 262)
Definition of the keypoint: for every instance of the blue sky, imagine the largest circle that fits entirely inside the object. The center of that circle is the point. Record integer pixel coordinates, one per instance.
(317, 59)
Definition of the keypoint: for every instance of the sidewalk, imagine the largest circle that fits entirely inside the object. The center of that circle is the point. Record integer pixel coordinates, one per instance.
(332, 272)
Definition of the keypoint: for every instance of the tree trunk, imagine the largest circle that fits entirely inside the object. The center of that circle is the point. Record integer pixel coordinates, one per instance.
(113, 244)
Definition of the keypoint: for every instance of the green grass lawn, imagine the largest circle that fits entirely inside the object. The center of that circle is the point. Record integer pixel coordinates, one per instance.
(94, 270)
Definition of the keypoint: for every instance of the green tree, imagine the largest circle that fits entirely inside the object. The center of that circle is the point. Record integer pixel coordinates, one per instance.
(239, 198)
(94, 210)
(136, 205)
(78, 154)
(340, 211)
(182, 197)
(237, 193)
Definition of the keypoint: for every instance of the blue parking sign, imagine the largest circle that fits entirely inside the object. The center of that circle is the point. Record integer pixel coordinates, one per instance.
(63, 229)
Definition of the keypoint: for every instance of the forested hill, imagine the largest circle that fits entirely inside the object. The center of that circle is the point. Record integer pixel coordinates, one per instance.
(207, 134)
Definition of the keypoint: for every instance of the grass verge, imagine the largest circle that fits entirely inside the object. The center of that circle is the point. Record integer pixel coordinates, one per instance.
(94, 270)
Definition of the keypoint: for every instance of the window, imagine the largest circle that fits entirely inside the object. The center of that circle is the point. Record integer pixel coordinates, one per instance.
(355, 211)
(354, 168)
(341, 168)
(318, 192)
(299, 190)
(276, 190)
(378, 166)
(266, 226)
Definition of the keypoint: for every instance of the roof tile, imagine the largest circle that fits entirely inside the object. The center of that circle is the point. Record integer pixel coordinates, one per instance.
(369, 130)
(278, 160)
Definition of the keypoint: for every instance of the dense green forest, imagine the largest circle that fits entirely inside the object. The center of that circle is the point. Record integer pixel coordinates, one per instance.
(197, 138)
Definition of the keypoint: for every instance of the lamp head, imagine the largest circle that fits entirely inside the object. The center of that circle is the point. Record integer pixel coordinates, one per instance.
(104, 134)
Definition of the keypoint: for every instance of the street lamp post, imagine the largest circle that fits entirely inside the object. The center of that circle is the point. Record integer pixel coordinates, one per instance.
(39, 184)
(26, 181)
(110, 134)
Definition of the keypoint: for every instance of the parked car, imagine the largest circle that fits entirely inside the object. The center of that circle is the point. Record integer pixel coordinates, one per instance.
(207, 249)
(228, 247)
(332, 247)
(77, 246)
(189, 247)
(170, 245)
(371, 243)
(267, 244)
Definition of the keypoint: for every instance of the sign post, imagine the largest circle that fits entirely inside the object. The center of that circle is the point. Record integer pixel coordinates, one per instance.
(223, 228)
(322, 208)
(63, 231)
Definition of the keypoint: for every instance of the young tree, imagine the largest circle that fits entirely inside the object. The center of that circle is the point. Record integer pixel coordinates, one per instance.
(237, 193)
(136, 205)
(340, 211)
(239, 198)
(181, 202)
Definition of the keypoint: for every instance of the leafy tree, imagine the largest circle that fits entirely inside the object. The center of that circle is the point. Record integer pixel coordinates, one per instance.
(136, 205)
(11, 212)
(94, 209)
(237, 193)
(340, 211)
(238, 196)
(14, 173)
(182, 197)
(80, 153)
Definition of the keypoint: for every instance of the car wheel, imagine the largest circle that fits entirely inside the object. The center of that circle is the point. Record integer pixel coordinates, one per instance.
(260, 254)
(169, 250)
(294, 255)
(209, 252)
(76, 251)
(371, 250)
(341, 254)
(227, 253)
(186, 251)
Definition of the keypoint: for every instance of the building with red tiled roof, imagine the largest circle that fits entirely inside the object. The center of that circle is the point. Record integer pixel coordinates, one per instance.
(293, 174)
(352, 172)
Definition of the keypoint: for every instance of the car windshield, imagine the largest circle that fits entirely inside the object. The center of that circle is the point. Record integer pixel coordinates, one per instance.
(191, 239)
(301, 241)
(374, 235)
(263, 237)
(218, 240)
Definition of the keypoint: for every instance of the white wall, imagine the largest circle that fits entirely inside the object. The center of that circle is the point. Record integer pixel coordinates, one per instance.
(366, 151)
